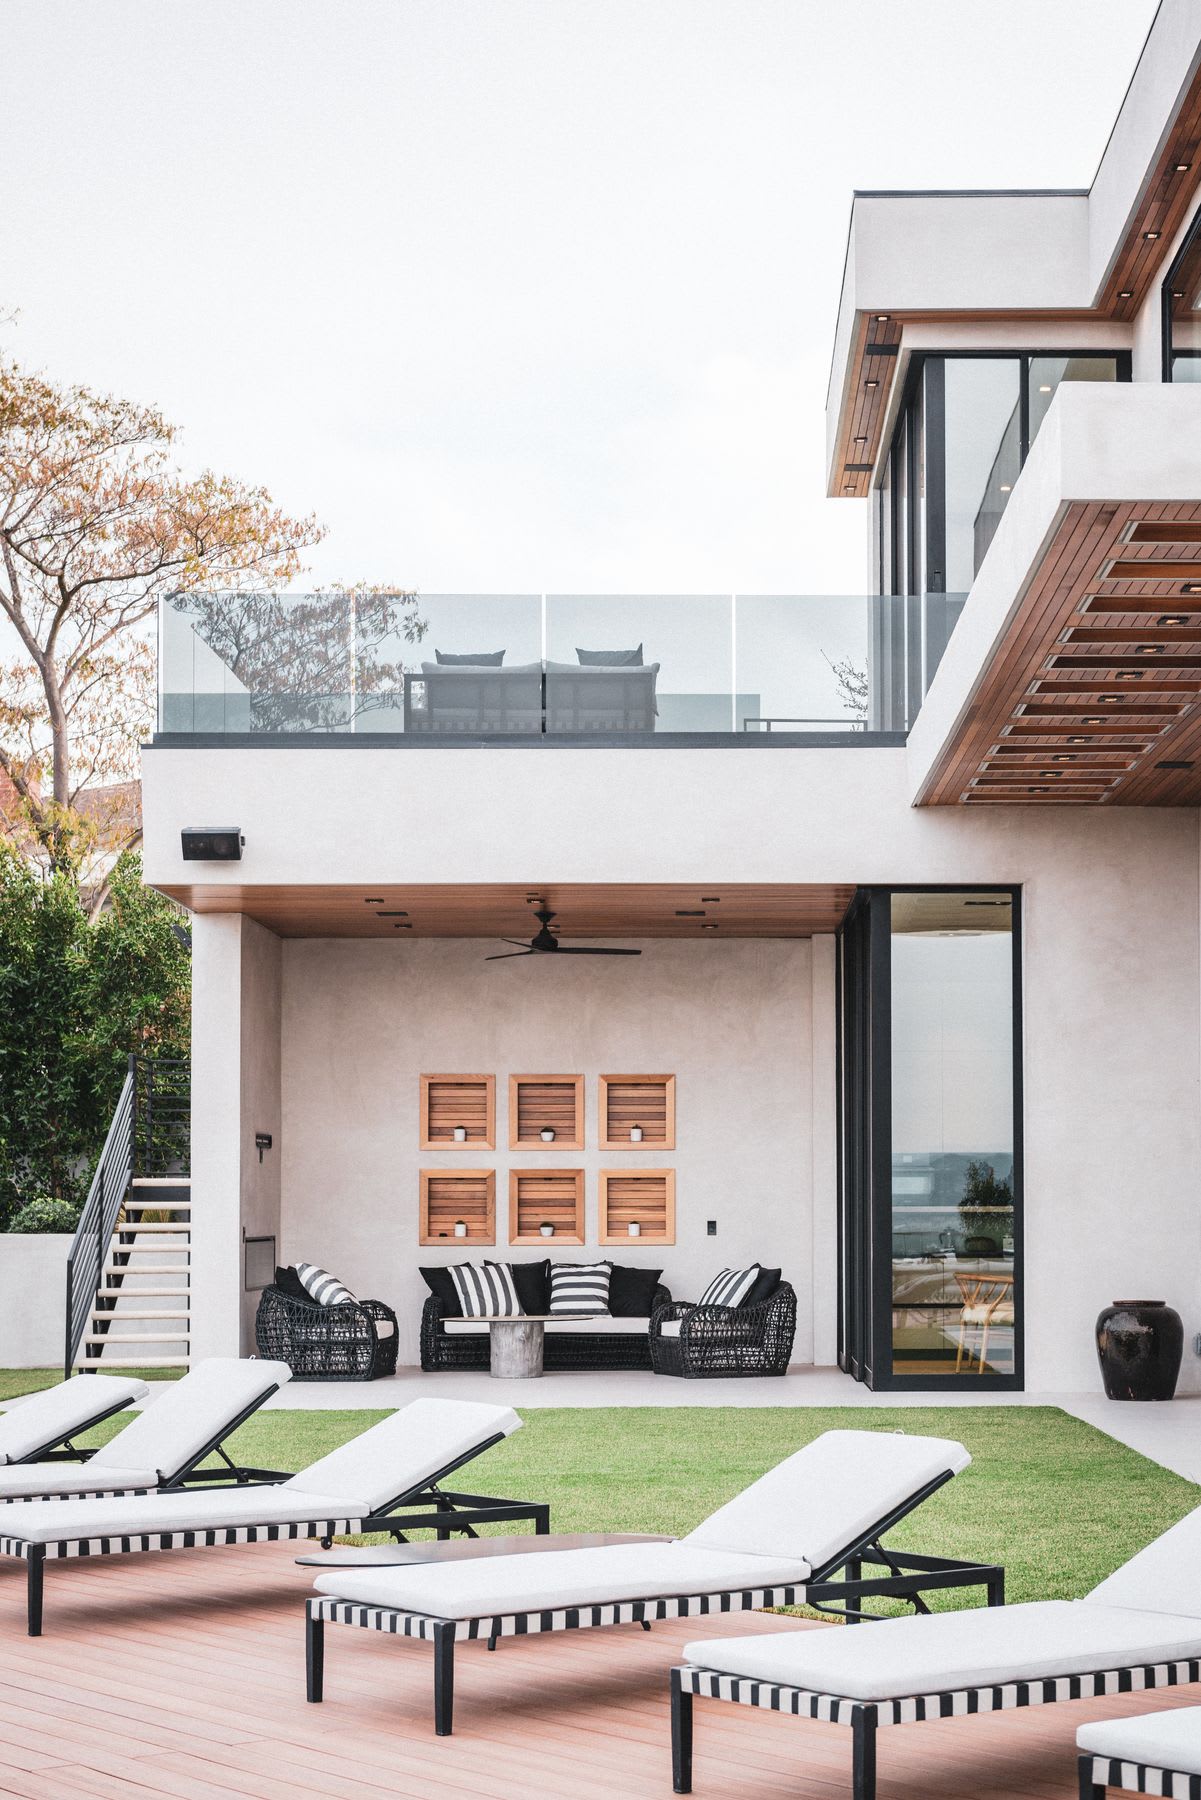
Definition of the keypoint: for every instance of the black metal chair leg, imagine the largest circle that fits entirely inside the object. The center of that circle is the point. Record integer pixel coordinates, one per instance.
(863, 1753)
(1088, 1787)
(996, 1588)
(444, 1679)
(681, 1736)
(314, 1655)
(35, 1589)
(541, 1521)
(854, 1573)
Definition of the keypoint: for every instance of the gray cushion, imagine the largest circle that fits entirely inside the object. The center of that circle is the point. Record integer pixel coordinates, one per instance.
(614, 659)
(477, 658)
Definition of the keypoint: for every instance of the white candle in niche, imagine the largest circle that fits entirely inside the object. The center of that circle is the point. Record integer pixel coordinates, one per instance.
(460, 1228)
(547, 1230)
(460, 1134)
(635, 1134)
(634, 1228)
(547, 1135)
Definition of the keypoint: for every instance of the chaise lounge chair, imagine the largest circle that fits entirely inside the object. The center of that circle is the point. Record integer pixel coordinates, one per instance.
(33, 1427)
(778, 1543)
(164, 1446)
(1139, 1628)
(1159, 1753)
(398, 1463)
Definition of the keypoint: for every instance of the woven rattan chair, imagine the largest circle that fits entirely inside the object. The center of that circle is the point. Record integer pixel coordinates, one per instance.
(356, 1342)
(696, 1341)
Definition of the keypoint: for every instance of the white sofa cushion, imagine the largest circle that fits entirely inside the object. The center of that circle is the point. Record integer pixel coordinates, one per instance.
(606, 1325)
(1165, 1740)
(199, 1509)
(40, 1421)
(190, 1413)
(405, 1450)
(553, 1579)
(26, 1481)
(942, 1651)
(819, 1500)
(1165, 1577)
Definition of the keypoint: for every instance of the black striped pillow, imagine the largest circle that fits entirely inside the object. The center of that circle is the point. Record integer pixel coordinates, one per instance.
(580, 1288)
(731, 1287)
(486, 1290)
(323, 1287)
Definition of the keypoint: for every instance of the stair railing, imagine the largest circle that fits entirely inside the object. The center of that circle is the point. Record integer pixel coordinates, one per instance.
(97, 1222)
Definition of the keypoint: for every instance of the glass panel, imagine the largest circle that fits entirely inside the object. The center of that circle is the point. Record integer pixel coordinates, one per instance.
(1182, 292)
(667, 663)
(1046, 373)
(952, 1228)
(983, 457)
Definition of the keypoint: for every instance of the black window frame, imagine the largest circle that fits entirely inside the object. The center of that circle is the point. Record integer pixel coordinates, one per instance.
(1167, 355)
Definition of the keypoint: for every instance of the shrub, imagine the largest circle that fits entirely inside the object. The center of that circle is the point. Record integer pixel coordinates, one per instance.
(45, 1214)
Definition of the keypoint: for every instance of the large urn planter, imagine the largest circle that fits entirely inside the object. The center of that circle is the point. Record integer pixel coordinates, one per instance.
(1139, 1346)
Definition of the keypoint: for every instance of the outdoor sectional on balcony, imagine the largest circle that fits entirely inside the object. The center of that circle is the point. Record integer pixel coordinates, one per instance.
(529, 699)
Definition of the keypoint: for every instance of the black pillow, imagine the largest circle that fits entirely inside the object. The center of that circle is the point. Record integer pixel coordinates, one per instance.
(288, 1282)
(488, 659)
(632, 1292)
(440, 1285)
(766, 1283)
(532, 1281)
(613, 659)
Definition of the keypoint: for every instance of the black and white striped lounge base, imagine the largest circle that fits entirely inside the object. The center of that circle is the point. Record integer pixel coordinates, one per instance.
(1154, 1753)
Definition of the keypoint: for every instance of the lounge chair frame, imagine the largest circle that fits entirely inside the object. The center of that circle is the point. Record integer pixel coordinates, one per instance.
(908, 1577)
(444, 1513)
(1100, 1773)
(865, 1717)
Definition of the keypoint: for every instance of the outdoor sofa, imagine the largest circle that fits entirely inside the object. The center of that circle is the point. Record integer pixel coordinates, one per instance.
(397, 1464)
(529, 700)
(36, 1427)
(1157, 1753)
(162, 1447)
(1139, 1628)
(781, 1542)
(610, 1341)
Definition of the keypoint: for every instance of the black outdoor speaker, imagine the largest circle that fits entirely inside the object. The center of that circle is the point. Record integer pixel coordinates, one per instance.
(212, 843)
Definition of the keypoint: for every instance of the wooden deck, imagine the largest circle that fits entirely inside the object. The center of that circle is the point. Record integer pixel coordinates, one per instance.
(182, 1674)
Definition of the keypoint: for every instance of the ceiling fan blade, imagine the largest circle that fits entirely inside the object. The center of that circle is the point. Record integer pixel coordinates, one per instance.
(504, 955)
(520, 943)
(593, 950)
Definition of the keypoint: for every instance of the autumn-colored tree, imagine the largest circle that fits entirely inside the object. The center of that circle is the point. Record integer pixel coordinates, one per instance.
(96, 524)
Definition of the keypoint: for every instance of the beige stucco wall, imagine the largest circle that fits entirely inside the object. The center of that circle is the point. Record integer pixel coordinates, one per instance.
(733, 1022)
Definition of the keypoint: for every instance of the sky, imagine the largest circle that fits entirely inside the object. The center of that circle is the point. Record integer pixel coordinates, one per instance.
(515, 295)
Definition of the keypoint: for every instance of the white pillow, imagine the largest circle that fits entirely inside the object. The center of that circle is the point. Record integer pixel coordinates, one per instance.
(580, 1288)
(324, 1288)
(485, 1290)
(731, 1287)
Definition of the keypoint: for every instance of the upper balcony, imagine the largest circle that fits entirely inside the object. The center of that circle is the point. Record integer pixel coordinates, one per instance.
(546, 669)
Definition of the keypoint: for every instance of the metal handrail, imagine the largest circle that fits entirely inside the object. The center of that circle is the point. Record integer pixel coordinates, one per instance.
(97, 1221)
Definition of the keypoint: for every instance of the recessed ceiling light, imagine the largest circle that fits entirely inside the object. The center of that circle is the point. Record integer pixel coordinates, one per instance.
(710, 899)
(861, 440)
(1172, 619)
(1051, 774)
(1038, 790)
(1108, 700)
(1083, 740)
(1183, 168)
(681, 913)
(1062, 757)
(883, 318)
(1150, 236)
(1045, 388)
(1128, 675)
(1006, 487)
(872, 383)
(400, 927)
(374, 900)
(1149, 649)
(708, 927)
(1191, 587)
(1178, 293)
(1126, 294)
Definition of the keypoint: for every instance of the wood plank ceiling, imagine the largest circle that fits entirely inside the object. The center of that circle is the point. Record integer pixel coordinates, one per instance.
(1163, 206)
(704, 911)
(1094, 695)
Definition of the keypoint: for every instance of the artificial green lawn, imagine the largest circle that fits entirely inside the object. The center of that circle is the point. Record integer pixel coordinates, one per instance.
(1056, 1501)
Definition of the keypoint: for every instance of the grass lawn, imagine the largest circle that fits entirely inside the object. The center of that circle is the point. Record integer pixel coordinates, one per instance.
(1056, 1501)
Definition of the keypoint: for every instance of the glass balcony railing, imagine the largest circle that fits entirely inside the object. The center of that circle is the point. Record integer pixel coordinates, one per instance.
(567, 666)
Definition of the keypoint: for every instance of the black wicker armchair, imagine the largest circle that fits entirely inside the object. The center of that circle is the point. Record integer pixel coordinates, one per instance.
(356, 1342)
(725, 1340)
(563, 1350)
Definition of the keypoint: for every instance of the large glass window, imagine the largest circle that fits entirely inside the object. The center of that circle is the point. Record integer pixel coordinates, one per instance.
(1182, 310)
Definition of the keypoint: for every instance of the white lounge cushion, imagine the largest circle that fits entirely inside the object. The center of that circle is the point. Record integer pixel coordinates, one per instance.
(26, 1481)
(190, 1413)
(199, 1509)
(821, 1499)
(40, 1421)
(1165, 1577)
(549, 1580)
(942, 1651)
(405, 1450)
(605, 1325)
(1165, 1740)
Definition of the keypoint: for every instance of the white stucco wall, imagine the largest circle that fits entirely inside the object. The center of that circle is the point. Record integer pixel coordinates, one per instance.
(733, 1022)
(33, 1299)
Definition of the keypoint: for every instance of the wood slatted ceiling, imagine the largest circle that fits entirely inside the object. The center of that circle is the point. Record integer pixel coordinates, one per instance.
(648, 1101)
(546, 1196)
(450, 1195)
(541, 1102)
(647, 1196)
(870, 379)
(612, 910)
(448, 1101)
(1098, 682)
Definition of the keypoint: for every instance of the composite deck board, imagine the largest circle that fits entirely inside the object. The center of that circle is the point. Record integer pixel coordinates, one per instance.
(182, 1674)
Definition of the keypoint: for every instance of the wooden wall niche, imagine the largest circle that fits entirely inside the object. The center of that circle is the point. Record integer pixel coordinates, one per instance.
(546, 1196)
(648, 1101)
(645, 1195)
(546, 1102)
(450, 1100)
(448, 1195)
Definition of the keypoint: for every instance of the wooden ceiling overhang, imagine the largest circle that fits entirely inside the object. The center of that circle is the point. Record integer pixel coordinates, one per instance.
(1163, 206)
(1093, 695)
(703, 912)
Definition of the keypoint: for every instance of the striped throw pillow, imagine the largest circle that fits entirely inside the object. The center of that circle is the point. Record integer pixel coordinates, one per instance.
(323, 1287)
(485, 1290)
(580, 1288)
(730, 1288)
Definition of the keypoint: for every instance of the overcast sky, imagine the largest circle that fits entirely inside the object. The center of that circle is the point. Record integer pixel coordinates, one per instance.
(515, 294)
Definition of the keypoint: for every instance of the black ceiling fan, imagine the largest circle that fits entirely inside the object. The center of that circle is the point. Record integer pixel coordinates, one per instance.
(545, 942)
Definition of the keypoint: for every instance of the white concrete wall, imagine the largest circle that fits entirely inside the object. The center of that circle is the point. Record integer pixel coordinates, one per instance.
(33, 1299)
(733, 1022)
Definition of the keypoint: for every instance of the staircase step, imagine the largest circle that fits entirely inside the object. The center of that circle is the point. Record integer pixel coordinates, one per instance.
(145, 1293)
(133, 1225)
(136, 1337)
(140, 1269)
(127, 1317)
(161, 1181)
(154, 1205)
(132, 1362)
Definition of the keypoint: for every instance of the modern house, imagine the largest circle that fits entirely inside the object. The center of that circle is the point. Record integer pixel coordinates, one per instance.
(915, 873)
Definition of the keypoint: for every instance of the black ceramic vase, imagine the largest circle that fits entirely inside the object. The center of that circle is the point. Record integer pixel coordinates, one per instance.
(1139, 1346)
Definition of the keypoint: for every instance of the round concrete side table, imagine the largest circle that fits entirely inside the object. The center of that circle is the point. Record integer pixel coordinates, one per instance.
(516, 1351)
